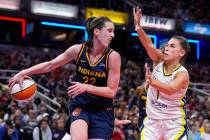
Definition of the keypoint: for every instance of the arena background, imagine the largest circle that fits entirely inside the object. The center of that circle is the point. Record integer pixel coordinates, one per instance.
(35, 31)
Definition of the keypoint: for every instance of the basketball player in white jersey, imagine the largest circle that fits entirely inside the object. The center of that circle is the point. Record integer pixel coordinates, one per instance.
(168, 84)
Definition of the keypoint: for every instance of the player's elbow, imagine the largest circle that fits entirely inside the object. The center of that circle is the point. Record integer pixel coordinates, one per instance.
(170, 92)
(112, 93)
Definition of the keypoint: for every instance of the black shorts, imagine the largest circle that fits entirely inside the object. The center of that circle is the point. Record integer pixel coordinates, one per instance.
(100, 122)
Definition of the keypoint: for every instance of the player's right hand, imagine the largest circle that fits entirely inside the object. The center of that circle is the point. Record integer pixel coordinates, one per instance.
(139, 90)
(17, 78)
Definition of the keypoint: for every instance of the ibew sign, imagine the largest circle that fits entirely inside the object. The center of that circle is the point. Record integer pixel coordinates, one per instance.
(158, 23)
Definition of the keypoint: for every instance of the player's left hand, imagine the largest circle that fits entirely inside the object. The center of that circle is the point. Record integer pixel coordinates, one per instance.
(148, 74)
(76, 88)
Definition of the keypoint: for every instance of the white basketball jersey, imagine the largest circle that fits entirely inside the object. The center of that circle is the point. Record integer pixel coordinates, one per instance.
(163, 106)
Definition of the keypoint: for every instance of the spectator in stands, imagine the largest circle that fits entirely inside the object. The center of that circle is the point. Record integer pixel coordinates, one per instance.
(42, 112)
(42, 131)
(19, 126)
(194, 134)
(4, 98)
(203, 125)
(59, 131)
(8, 131)
(206, 134)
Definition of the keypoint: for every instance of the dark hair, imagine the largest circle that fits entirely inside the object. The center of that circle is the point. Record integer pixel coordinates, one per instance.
(185, 45)
(9, 123)
(39, 127)
(93, 23)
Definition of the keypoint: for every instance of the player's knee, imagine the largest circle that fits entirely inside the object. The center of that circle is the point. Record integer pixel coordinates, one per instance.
(78, 137)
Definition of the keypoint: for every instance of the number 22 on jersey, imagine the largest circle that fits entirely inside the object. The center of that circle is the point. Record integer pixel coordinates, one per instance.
(89, 80)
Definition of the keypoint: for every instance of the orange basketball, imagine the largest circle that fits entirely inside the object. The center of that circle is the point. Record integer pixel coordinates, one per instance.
(27, 92)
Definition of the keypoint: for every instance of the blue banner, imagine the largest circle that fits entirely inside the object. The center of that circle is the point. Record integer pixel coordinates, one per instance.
(197, 28)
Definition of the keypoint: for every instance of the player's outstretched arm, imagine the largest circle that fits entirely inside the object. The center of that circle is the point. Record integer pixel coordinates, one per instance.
(155, 54)
(69, 55)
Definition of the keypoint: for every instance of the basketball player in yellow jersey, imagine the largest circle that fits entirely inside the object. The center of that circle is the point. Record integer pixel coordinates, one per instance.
(168, 84)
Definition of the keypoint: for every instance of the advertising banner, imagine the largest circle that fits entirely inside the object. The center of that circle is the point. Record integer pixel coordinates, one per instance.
(54, 9)
(10, 4)
(116, 17)
(197, 28)
(158, 23)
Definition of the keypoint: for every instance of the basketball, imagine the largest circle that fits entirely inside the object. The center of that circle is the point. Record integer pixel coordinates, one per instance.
(27, 92)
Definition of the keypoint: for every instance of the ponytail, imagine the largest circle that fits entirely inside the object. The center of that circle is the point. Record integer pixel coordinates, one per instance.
(93, 23)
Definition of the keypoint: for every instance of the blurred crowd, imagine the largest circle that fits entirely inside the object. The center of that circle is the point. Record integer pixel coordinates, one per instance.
(33, 120)
(191, 10)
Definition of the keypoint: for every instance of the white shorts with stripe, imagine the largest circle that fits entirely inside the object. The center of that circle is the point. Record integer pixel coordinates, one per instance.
(164, 129)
